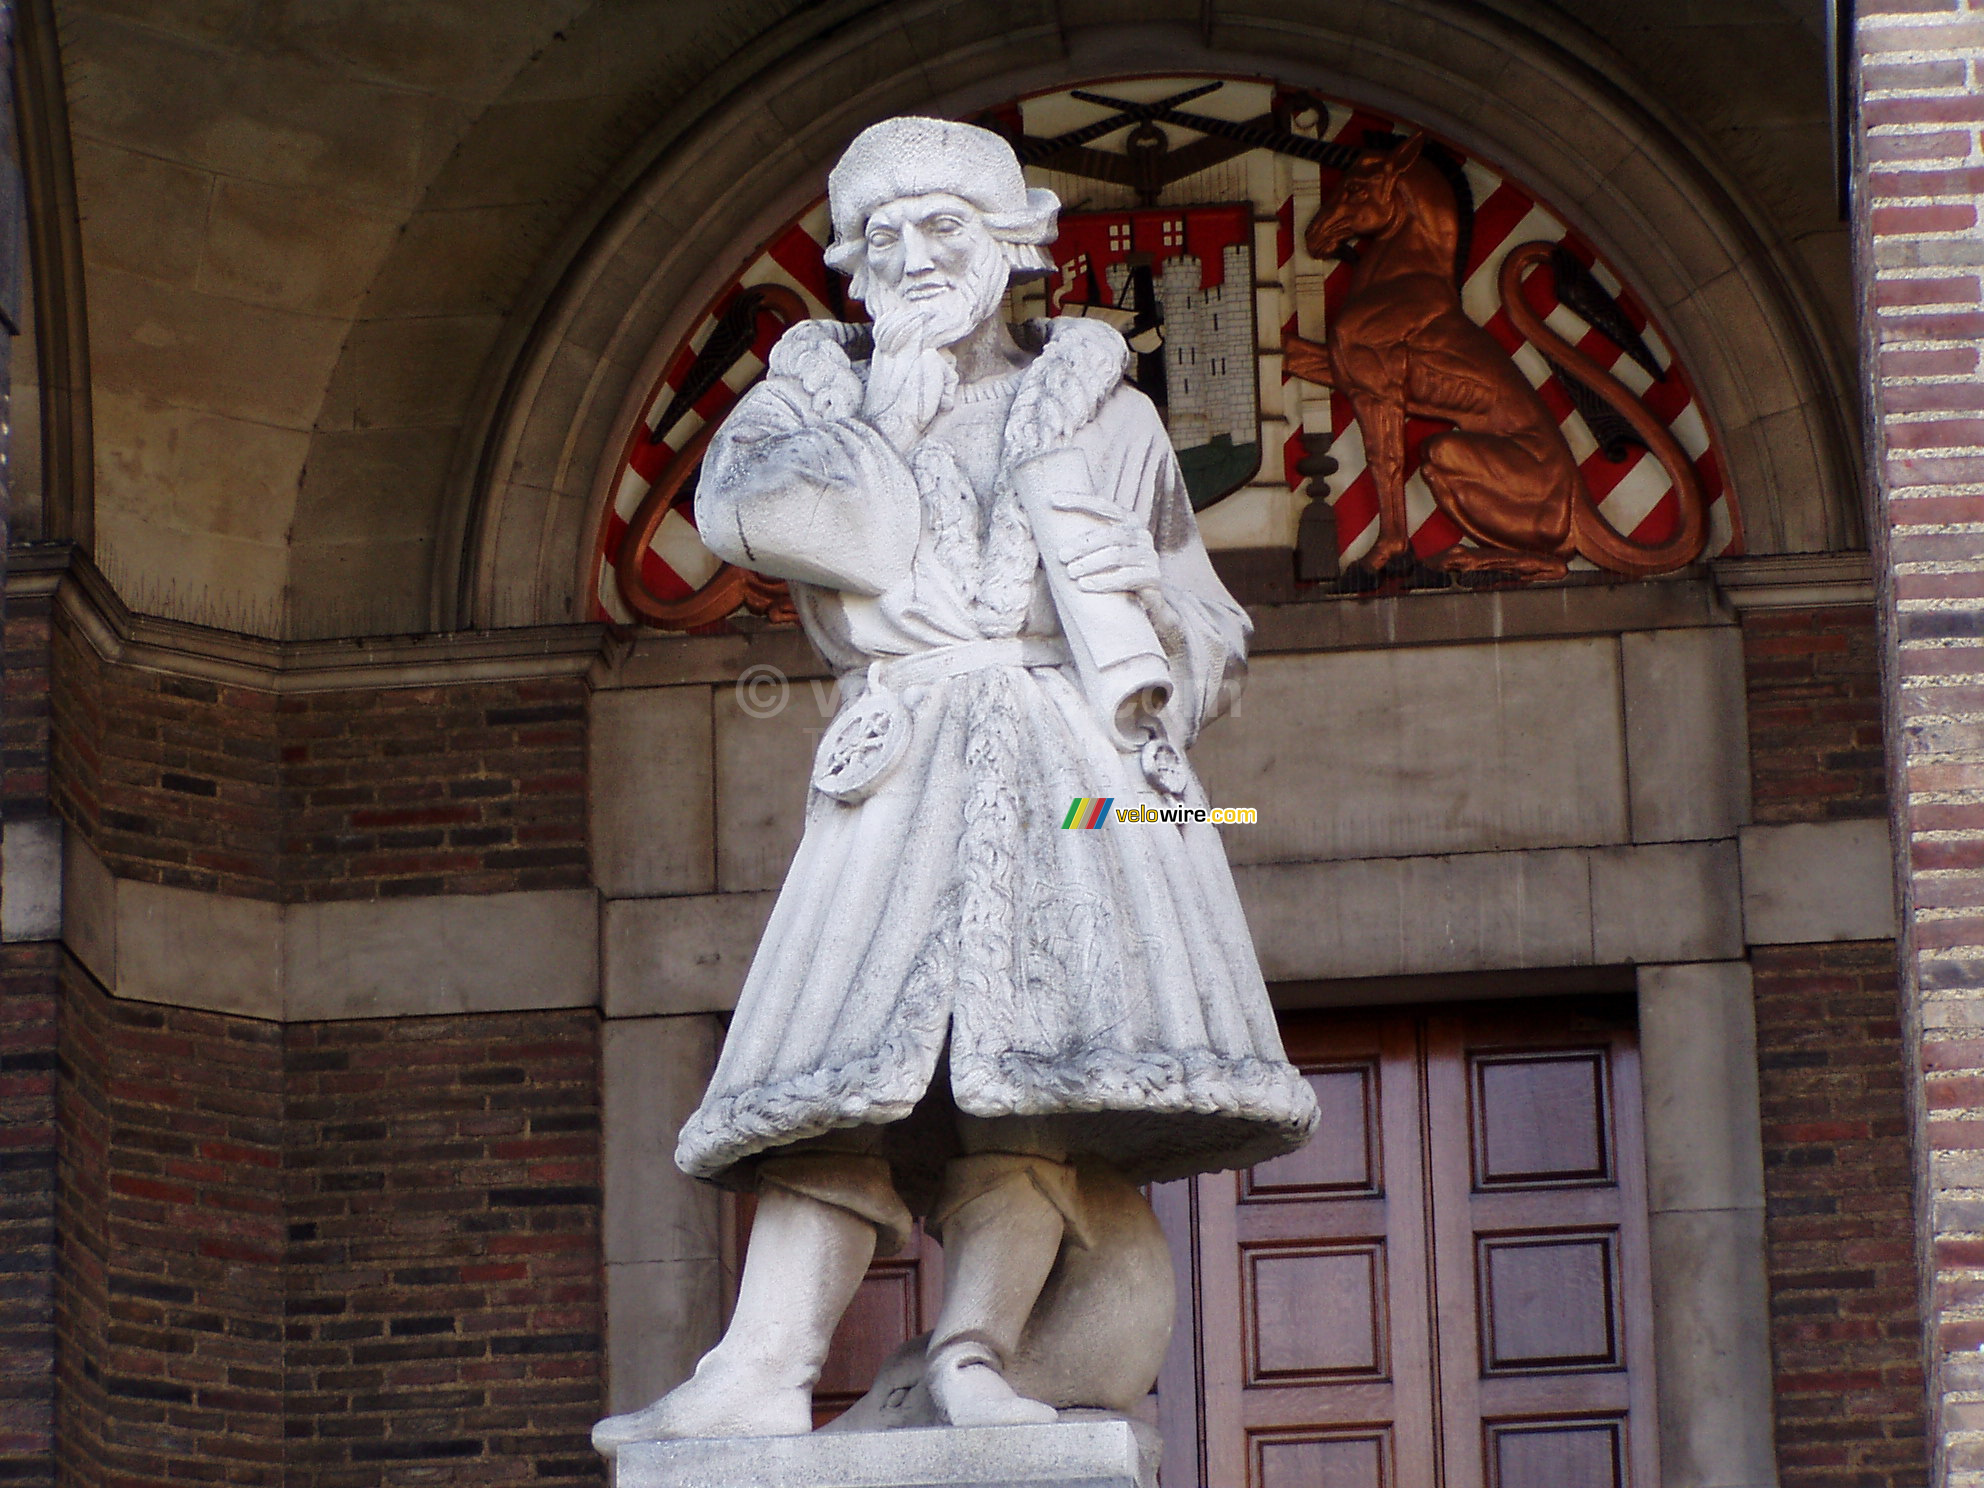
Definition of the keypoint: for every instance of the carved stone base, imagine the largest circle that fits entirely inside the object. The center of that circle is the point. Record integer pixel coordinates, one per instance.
(1070, 1454)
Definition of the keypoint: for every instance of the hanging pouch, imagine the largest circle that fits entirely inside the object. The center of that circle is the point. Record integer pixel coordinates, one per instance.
(862, 745)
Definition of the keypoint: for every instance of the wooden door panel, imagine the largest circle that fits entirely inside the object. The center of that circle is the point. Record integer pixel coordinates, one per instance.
(1449, 1287)
(1540, 1117)
(897, 1300)
(886, 1312)
(1549, 1302)
(1315, 1313)
(1540, 1249)
(1270, 1411)
(1504, 1396)
(1294, 1223)
(1346, 1155)
(1561, 1454)
(1352, 1459)
(1586, 1208)
(1329, 1370)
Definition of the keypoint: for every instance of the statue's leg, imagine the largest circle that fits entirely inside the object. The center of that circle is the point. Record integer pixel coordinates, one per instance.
(1098, 1333)
(818, 1219)
(1002, 1217)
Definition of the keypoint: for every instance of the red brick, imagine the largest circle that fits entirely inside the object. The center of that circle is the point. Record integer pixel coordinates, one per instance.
(1905, 221)
(1846, 1353)
(1929, 397)
(1935, 362)
(1945, 144)
(283, 1281)
(1961, 290)
(1960, 181)
(1806, 674)
(1932, 434)
(333, 796)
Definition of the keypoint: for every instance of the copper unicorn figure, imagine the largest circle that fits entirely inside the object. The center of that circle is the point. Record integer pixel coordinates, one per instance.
(1401, 345)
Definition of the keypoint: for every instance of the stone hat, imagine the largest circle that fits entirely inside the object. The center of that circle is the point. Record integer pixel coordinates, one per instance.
(912, 157)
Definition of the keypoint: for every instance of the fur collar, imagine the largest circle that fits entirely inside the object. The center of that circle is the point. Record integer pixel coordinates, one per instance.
(1080, 365)
(1081, 362)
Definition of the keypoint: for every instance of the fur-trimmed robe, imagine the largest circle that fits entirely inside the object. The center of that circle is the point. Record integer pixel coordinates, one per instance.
(1103, 972)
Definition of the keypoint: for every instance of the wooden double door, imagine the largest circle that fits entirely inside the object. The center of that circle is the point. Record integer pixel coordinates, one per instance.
(1446, 1289)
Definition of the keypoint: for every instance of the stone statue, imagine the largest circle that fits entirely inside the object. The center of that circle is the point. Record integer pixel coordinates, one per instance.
(960, 1010)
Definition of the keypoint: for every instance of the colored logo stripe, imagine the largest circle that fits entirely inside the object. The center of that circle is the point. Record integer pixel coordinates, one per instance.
(1087, 813)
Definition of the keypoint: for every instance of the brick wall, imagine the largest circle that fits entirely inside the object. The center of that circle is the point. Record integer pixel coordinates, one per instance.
(1919, 172)
(1814, 684)
(443, 1203)
(173, 1241)
(467, 789)
(1845, 1329)
(172, 779)
(327, 1255)
(1845, 1325)
(82, 1307)
(436, 790)
(27, 1214)
(24, 711)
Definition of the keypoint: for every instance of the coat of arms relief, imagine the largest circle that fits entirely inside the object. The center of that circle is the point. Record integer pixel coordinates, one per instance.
(1494, 405)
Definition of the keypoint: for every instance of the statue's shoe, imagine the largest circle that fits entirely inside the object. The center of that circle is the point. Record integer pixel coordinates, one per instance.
(706, 1407)
(972, 1392)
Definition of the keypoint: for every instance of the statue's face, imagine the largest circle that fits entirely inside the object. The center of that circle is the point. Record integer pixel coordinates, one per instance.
(932, 256)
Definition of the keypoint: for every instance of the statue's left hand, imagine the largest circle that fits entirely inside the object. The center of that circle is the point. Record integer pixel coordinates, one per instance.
(1117, 559)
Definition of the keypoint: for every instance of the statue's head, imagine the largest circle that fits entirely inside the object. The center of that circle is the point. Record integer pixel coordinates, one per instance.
(936, 215)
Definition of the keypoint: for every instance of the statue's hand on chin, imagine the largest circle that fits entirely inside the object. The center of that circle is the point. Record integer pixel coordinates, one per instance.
(908, 378)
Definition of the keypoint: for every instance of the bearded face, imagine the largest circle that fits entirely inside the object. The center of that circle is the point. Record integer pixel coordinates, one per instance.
(932, 259)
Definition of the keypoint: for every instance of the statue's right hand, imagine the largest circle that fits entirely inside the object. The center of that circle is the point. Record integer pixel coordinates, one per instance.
(812, 355)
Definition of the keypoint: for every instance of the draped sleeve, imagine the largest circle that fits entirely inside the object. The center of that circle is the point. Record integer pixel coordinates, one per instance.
(800, 493)
(1132, 462)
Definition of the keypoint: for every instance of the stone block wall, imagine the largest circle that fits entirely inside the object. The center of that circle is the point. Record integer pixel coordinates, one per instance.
(1918, 182)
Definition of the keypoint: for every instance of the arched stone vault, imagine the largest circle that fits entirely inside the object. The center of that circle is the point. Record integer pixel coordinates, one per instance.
(1730, 290)
(357, 365)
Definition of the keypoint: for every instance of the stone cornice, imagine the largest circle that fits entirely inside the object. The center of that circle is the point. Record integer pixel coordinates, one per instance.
(115, 633)
(607, 659)
(1795, 581)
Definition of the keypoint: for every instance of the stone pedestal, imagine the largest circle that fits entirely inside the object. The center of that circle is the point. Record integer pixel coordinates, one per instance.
(1069, 1454)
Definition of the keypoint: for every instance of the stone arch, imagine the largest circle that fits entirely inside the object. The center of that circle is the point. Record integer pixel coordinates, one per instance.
(1530, 91)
